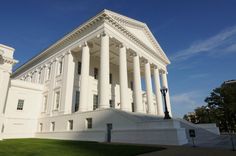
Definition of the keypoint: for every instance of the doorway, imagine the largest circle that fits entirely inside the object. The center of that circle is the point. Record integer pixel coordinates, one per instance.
(109, 128)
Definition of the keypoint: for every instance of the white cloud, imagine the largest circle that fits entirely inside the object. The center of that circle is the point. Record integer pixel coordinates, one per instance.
(183, 103)
(223, 42)
(184, 98)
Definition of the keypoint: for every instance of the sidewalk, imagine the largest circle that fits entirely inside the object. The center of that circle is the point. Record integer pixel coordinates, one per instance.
(191, 151)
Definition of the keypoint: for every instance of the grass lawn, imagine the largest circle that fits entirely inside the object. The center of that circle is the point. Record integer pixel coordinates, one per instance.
(46, 147)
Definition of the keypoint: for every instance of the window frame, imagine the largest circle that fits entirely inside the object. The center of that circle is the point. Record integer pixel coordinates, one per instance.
(95, 73)
(110, 78)
(52, 126)
(79, 65)
(95, 101)
(89, 123)
(70, 125)
(20, 106)
(57, 105)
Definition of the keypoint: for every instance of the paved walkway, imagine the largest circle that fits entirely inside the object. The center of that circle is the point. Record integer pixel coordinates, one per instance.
(191, 151)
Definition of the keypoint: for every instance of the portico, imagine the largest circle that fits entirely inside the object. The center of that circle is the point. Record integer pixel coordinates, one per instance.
(130, 67)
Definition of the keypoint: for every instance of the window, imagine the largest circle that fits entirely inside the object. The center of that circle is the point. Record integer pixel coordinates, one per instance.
(111, 103)
(132, 104)
(77, 94)
(2, 129)
(39, 77)
(70, 125)
(79, 68)
(20, 104)
(131, 85)
(110, 78)
(60, 68)
(45, 100)
(40, 127)
(89, 122)
(95, 73)
(52, 128)
(95, 102)
(57, 100)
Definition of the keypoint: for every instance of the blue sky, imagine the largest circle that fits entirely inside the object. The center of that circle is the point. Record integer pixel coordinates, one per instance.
(199, 36)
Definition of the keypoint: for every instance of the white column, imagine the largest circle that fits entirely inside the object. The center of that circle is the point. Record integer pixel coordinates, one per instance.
(124, 101)
(138, 105)
(165, 84)
(149, 94)
(104, 73)
(84, 81)
(68, 83)
(159, 103)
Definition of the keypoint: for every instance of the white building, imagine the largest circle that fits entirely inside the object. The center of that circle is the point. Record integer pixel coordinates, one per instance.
(87, 86)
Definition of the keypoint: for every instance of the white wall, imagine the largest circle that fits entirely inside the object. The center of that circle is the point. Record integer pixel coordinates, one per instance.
(22, 123)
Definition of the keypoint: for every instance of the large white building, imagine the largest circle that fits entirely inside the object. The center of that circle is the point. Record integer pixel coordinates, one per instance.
(87, 86)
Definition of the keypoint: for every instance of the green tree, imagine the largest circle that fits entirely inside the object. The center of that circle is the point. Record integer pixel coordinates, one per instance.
(220, 108)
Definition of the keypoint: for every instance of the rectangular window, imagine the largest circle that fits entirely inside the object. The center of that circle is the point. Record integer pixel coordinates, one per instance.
(40, 127)
(77, 94)
(95, 73)
(2, 129)
(57, 100)
(60, 68)
(89, 122)
(70, 125)
(110, 78)
(79, 68)
(132, 104)
(131, 85)
(52, 128)
(111, 103)
(20, 104)
(45, 100)
(95, 102)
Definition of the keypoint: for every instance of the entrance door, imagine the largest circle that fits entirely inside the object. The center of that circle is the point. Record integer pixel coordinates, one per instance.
(109, 128)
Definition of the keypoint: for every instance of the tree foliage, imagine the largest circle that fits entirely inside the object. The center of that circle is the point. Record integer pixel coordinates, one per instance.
(220, 108)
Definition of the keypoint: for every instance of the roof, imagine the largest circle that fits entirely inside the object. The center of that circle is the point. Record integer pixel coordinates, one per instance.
(136, 30)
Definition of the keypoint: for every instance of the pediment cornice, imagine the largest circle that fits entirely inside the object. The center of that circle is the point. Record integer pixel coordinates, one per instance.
(104, 16)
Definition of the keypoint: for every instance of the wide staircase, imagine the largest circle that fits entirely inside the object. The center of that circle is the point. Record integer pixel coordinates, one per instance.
(204, 137)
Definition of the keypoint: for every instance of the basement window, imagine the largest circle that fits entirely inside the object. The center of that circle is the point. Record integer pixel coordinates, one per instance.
(52, 126)
(70, 125)
(40, 127)
(89, 123)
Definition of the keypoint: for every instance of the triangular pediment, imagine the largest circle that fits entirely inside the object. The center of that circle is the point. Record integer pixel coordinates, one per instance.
(140, 30)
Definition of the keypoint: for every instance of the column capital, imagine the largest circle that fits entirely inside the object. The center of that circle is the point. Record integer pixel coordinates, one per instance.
(37, 69)
(163, 71)
(103, 34)
(144, 60)
(57, 59)
(84, 44)
(132, 53)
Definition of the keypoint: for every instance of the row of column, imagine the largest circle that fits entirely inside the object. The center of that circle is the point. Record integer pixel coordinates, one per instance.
(103, 90)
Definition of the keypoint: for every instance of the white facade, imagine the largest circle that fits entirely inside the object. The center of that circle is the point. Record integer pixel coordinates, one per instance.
(91, 77)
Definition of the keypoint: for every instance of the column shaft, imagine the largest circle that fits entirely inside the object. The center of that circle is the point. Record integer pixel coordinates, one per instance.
(149, 94)
(159, 103)
(138, 104)
(124, 101)
(84, 79)
(104, 73)
(68, 83)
